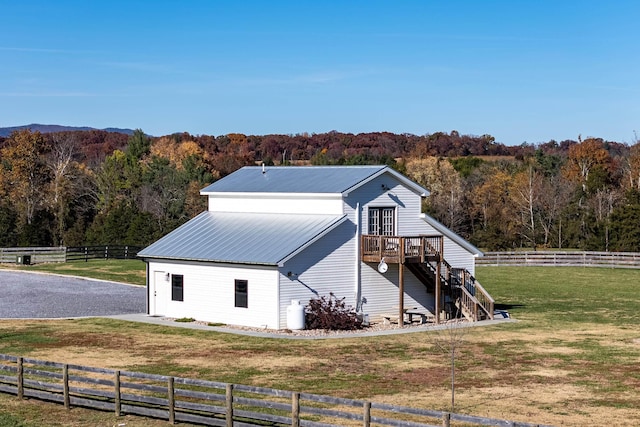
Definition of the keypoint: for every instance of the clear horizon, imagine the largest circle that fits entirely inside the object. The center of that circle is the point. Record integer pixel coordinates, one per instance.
(519, 71)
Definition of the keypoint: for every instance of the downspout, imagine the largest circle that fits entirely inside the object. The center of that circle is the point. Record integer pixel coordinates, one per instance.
(148, 288)
(358, 289)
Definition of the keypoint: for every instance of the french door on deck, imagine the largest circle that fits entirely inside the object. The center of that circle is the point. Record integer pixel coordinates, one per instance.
(382, 221)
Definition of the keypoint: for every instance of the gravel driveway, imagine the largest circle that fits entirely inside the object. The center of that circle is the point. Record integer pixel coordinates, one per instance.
(31, 295)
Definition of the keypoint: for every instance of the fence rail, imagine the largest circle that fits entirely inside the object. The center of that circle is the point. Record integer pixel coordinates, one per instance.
(208, 402)
(561, 259)
(32, 255)
(38, 255)
(85, 253)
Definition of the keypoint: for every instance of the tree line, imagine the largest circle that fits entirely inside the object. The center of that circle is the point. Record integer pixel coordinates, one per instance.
(98, 187)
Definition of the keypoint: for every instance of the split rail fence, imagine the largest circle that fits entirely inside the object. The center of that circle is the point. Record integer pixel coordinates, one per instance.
(561, 259)
(206, 402)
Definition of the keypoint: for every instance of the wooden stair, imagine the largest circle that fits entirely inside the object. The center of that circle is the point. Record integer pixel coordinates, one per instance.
(467, 296)
(423, 256)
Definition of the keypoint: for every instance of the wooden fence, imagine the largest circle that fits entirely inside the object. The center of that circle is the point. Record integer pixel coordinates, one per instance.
(85, 253)
(38, 255)
(32, 255)
(207, 402)
(561, 259)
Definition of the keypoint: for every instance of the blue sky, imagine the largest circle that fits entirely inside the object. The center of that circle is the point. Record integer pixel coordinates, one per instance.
(522, 71)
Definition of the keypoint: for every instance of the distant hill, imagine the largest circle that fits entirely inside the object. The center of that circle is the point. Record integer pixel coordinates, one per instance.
(57, 128)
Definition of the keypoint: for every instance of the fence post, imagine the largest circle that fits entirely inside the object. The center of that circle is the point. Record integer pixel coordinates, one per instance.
(86, 254)
(295, 409)
(229, 395)
(366, 417)
(106, 252)
(20, 378)
(117, 393)
(172, 402)
(65, 386)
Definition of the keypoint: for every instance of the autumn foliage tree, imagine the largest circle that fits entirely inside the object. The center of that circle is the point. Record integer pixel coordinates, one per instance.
(588, 162)
(25, 177)
(447, 198)
(103, 187)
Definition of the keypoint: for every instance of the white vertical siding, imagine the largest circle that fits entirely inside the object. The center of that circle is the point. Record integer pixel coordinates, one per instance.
(209, 293)
(330, 204)
(326, 266)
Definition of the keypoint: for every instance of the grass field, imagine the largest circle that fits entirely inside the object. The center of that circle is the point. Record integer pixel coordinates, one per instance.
(572, 358)
(127, 271)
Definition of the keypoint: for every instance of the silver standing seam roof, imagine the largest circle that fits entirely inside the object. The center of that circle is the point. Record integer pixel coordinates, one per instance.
(304, 179)
(261, 238)
(242, 238)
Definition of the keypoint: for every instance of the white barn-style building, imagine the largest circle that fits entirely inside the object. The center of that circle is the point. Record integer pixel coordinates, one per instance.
(273, 235)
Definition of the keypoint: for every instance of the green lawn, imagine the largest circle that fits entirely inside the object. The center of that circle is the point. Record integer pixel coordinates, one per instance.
(568, 295)
(572, 358)
(126, 271)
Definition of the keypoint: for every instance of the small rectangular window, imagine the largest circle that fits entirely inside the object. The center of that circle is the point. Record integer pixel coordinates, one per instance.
(177, 287)
(242, 294)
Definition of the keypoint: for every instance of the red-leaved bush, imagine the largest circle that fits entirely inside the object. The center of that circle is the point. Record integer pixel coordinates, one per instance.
(331, 313)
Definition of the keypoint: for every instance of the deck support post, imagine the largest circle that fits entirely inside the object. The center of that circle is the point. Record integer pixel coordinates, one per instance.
(438, 296)
(401, 283)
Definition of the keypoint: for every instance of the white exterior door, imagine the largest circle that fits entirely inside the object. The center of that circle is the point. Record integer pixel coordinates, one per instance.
(160, 293)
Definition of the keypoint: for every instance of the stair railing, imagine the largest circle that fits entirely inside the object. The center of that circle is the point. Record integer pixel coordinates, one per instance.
(468, 305)
(474, 289)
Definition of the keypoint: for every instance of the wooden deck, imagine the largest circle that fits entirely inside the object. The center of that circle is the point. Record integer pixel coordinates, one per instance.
(427, 255)
(402, 249)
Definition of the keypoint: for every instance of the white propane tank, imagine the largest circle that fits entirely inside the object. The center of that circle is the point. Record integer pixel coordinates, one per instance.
(295, 315)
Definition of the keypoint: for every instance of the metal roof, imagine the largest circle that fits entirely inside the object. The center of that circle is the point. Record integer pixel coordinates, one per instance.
(242, 238)
(452, 235)
(302, 179)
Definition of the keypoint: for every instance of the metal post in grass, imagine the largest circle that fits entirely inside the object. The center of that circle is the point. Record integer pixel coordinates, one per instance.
(229, 396)
(117, 403)
(20, 378)
(366, 417)
(171, 401)
(65, 386)
(295, 409)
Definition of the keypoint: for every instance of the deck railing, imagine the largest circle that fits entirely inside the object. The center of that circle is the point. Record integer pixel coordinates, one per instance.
(428, 249)
(397, 249)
